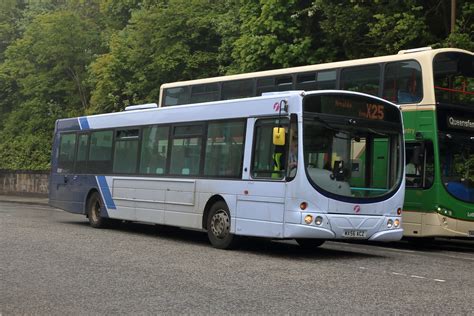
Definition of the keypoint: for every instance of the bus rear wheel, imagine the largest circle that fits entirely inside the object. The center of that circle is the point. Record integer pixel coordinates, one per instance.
(218, 227)
(94, 206)
(309, 243)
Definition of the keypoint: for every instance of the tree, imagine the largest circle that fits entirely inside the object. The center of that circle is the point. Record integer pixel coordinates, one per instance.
(173, 40)
(45, 70)
(272, 35)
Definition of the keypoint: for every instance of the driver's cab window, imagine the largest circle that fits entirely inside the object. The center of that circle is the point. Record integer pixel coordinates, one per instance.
(419, 165)
(272, 161)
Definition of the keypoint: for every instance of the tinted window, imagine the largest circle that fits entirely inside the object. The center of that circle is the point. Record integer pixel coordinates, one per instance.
(402, 82)
(224, 149)
(126, 151)
(364, 79)
(316, 81)
(100, 153)
(176, 96)
(186, 150)
(205, 93)
(265, 85)
(82, 149)
(237, 89)
(284, 83)
(454, 78)
(67, 150)
(154, 150)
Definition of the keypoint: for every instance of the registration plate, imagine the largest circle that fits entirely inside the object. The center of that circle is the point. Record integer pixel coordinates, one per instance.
(355, 233)
(471, 233)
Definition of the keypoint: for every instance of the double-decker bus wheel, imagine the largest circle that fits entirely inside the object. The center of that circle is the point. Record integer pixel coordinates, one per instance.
(93, 211)
(218, 227)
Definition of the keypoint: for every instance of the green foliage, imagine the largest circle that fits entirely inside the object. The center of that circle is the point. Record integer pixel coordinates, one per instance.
(163, 43)
(272, 35)
(391, 32)
(45, 71)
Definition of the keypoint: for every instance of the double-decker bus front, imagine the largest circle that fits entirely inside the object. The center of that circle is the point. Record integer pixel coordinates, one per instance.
(440, 150)
(351, 182)
(453, 74)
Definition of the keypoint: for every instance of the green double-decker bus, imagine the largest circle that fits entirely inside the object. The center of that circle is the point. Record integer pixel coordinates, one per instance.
(435, 90)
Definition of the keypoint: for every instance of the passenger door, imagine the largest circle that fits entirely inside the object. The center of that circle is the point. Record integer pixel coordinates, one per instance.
(260, 207)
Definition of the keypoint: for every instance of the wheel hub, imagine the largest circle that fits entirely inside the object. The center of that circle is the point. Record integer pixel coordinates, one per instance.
(220, 225)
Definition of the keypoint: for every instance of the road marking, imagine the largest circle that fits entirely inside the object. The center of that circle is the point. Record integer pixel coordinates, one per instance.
(439, 280)
(397, 273)
(456, 257)
(417, 276)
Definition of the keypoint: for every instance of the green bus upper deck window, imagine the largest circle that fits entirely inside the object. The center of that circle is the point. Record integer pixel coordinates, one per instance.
(402, 82)
(454, 78)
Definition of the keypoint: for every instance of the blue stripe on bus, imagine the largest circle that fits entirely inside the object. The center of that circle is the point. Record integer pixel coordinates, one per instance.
(84, 123)
(104, 187)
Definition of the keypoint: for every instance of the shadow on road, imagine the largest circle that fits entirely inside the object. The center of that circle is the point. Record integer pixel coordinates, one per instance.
(429, 245)
(284, 249)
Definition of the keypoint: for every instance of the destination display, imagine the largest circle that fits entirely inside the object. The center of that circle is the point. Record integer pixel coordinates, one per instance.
(460, 123)
(455, 120)
(351, 106)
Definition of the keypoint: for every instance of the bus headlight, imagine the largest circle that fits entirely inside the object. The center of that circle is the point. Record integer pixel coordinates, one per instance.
(318, 221)
(308, 219)
(390, 223)
(396, 223)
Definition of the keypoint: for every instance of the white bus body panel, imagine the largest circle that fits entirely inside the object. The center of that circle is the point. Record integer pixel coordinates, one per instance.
(266, 208)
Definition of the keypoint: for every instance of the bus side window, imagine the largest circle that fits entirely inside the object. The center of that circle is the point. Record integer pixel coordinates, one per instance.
(205, 93)
(82, 151)
(224, 149)
(186, 150)
(364, 79)
(269, 161)
(316, 81)
(402, 82)
(126, 151)
(237, 89)
(419, 168)
(154, 151)
(100, 152)
(176, 96)
(67, 151)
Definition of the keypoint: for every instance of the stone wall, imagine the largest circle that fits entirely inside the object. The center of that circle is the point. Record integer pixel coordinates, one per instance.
(33, 183)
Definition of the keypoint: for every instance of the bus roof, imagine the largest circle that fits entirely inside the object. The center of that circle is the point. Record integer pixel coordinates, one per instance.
(425, 52)
(266, 105)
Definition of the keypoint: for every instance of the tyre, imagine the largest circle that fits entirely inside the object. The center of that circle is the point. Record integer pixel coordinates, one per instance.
(94, 206)
(310, 243)
(218, 227)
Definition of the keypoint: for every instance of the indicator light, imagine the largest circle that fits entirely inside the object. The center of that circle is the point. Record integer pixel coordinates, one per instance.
(399, 211)
(303, 205)
(308, 219)
(318, 221)
(389, 223)
(396, 223)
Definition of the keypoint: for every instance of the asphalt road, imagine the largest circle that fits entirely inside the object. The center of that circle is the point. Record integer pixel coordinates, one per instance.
(52, 262)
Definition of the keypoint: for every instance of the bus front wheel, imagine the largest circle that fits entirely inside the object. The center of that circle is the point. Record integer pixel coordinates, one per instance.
(310, 243)
(218, 227)
(93, 211)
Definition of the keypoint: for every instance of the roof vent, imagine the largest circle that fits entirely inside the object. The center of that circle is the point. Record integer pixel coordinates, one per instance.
(141, 107)
(414, 50)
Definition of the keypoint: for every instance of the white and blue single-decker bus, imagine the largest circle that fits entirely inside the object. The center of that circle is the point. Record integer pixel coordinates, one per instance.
(309, 166)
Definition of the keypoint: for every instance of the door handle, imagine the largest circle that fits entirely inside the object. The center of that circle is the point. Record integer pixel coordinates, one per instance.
(66, 179)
